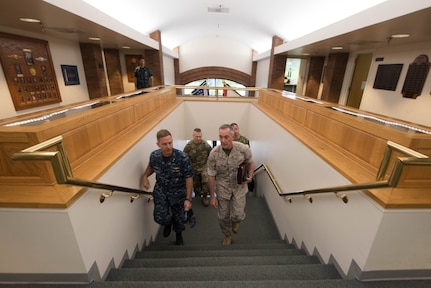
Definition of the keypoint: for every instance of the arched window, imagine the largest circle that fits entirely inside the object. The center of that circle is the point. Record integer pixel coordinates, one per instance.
(213, 82)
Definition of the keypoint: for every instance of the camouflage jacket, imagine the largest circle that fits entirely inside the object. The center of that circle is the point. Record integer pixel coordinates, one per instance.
(224, 168)
(171, 172)
(198, 154)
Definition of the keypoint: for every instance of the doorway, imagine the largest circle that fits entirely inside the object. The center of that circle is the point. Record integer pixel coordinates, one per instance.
(359, 79)
(292, 74)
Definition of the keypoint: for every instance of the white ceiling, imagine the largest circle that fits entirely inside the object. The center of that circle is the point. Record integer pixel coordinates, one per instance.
(250, 22)
(253, 23)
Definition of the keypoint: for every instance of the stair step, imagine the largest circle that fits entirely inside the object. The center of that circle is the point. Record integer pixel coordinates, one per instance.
(326, 283)
(232, 273)
(159, 247)
(217, 253)
(170, 247)
(220, 261)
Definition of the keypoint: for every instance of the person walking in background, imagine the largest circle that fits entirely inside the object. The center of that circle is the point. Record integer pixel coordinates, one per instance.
(173, 189)
(227, 195)
(238, 137)
(198, 151)
(143, 75)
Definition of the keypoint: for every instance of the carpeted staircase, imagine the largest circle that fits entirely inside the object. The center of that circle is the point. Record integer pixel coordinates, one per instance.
(256, 258)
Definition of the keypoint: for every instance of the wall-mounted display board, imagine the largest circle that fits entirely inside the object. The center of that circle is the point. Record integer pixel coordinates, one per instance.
(29, 71)
(387, 76)
(131, 62)
(416, 76)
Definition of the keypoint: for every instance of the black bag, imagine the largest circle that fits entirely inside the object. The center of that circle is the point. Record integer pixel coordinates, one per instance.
(241, 174)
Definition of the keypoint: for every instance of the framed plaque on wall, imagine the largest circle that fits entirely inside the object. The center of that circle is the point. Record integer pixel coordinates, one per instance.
(29, 71)
(387, 76)
(131, 62)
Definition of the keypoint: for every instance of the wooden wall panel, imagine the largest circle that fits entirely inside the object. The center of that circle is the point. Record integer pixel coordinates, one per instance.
(216, 72)
(94, 70)
(314, 76)
(334, 76)
(93, 139)
(113, 67)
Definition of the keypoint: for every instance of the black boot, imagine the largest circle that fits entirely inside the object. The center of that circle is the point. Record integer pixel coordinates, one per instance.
(179, 240)
(168, 228)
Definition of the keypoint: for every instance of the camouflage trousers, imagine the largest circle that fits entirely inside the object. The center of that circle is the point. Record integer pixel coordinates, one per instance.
(169, 207)
(231, 211)
(200, 183)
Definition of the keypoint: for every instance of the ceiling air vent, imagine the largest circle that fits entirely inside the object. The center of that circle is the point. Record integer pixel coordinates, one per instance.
(218, 9)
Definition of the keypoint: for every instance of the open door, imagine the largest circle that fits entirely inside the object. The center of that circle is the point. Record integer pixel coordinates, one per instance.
(359, 79)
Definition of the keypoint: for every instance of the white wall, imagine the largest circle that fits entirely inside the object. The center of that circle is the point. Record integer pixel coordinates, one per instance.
(61, 242)
(215, 52)
(62, 52)
(392, 103)
(209, 116)
(361, 231)
(262, 73)
(168, 69)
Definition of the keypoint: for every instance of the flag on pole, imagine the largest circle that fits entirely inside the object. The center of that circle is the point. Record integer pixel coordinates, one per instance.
(229, 92)
(200, 91)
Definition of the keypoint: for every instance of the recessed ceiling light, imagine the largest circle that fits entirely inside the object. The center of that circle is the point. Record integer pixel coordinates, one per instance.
(30, 20)
(219, 9)
(94, 38)
(405, 35)
(337, 48)
(125, 47)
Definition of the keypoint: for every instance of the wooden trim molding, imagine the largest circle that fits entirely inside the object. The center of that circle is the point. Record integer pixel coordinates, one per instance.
(216, 72)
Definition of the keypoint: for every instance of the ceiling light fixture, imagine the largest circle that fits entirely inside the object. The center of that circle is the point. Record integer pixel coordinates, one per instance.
(94, 38)
(337, 48)
(401, 35)
(125, 47)
(218, 10)
(30, 20)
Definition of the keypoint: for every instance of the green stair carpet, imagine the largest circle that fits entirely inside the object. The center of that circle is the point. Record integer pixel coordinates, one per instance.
(257, 258)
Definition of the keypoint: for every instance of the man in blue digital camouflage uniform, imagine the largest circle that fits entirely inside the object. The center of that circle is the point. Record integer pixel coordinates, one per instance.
(143, 75)
(174, 183)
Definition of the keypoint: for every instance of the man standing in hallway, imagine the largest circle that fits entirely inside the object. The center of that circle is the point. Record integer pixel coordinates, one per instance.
(143, 75)
(227, 195)
(198, 151)
(173, 189)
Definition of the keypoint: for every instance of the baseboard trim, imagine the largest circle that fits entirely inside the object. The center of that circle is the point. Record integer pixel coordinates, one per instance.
(25, 278)
(381, 275)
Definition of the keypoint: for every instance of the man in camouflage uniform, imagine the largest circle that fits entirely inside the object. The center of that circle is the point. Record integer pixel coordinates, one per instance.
(173, 189)
(223, 163)
(143, 75)
(198, 151)
(240, 138)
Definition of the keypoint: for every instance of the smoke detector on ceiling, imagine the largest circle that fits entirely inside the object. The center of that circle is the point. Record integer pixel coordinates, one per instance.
(218, 9)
